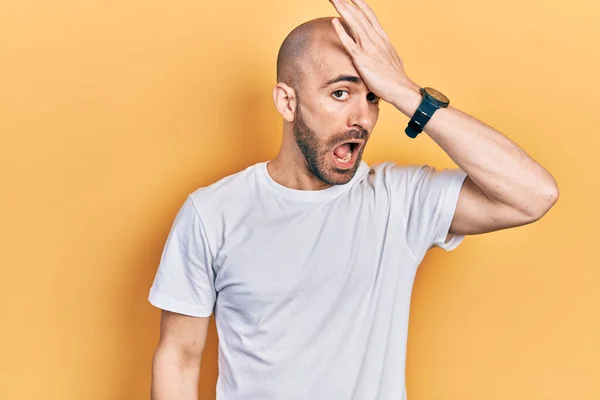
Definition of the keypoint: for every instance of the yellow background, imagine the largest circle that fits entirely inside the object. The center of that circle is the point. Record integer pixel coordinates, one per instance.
(113, 111)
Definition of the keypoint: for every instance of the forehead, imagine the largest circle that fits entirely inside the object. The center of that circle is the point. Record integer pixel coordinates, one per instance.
(327, 59)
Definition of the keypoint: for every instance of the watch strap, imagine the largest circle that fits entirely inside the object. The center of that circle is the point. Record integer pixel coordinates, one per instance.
(420, 118)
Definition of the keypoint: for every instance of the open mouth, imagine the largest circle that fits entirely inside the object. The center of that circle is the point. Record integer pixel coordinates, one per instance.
(345, 154)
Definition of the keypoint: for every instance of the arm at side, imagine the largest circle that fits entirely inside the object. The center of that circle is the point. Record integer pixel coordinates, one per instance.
(176, 361)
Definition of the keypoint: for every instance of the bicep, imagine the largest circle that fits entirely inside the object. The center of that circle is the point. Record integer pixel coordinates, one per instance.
(476, 213)
(183, 334)
(176, 362)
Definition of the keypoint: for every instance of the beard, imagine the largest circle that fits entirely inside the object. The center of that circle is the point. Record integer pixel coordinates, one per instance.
(318, 153)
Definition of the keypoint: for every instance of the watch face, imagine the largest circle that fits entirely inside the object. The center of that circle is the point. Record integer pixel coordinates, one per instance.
(439, 96)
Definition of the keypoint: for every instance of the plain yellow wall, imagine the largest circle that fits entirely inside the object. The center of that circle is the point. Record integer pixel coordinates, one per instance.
(111, 112)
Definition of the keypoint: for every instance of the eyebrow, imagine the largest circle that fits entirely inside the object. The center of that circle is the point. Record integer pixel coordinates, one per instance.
(343, 78)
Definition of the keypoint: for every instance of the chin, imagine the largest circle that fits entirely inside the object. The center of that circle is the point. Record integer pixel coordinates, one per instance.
(336, 175)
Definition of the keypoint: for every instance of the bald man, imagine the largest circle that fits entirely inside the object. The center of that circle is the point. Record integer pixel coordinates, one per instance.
(308, 260)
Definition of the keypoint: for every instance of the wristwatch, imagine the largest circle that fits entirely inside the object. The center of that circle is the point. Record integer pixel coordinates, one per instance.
(432, 100)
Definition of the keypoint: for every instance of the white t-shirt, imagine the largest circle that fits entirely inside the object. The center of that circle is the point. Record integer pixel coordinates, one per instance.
(310, 289)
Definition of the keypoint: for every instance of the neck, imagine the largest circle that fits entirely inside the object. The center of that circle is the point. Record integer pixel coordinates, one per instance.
(290, 168)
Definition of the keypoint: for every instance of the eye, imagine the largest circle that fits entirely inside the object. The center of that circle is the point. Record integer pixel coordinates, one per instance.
(371, 97)
(341, 94)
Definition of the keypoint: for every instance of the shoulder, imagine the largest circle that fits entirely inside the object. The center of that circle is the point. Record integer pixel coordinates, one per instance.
(227, 189)
(391, 174)
(415, 180)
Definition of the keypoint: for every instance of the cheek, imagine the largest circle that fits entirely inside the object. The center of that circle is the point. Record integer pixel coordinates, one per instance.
(325, 109)
(375, 117)
(334, 116)
(326, 120)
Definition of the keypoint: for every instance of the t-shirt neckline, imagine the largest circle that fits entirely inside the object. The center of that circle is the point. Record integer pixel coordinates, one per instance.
(311, 195)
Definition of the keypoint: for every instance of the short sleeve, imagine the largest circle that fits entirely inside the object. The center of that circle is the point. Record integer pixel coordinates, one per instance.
(433, 196)
(184, 281)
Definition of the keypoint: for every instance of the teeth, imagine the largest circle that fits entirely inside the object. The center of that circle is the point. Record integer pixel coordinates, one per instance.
(345, 159)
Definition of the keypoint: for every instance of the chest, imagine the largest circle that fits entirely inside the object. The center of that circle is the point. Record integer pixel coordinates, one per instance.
(302, 258)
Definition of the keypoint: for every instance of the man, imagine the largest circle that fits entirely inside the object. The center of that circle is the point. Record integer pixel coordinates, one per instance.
(308, 260)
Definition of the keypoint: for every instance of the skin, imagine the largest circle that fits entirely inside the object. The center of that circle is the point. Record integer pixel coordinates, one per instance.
(176, 361)
(504, 188)
(318, 116)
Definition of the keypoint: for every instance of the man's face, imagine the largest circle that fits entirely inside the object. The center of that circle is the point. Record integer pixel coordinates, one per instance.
(335, 114)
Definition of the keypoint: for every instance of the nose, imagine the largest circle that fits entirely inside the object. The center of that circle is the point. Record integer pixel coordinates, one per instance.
(363, 114)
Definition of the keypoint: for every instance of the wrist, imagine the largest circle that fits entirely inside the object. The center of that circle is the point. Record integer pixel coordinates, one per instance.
(406, 98)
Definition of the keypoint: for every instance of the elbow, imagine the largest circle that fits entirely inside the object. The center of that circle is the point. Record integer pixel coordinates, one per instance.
(175, 373)
(553, 194)
(546, 199)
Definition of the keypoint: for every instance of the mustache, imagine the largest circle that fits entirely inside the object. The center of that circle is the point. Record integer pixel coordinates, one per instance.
(360, 134)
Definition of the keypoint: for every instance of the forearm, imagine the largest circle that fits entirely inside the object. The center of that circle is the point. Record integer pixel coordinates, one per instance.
(503, 171)
(174, 376)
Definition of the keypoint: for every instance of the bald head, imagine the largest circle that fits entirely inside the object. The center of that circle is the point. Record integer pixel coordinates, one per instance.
(297, 50)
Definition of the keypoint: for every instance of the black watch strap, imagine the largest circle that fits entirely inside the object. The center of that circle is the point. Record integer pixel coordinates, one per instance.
(421, 117)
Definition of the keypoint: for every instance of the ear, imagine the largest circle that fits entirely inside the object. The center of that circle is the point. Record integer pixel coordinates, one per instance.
(285, 101)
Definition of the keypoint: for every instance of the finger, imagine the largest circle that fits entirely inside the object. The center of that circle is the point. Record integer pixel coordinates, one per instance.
(349, 44)
(371, 17)
(348, 13)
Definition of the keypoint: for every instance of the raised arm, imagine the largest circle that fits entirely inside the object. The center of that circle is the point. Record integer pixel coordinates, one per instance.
(505, 187)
